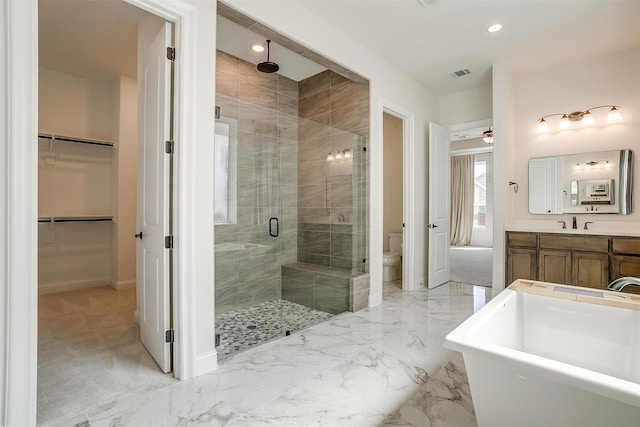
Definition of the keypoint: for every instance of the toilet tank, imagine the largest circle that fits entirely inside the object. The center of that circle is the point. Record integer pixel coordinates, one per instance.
(395, 242)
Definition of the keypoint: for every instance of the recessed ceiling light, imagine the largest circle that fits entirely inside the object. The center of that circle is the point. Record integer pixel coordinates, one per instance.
(494, 28)
(257, 47)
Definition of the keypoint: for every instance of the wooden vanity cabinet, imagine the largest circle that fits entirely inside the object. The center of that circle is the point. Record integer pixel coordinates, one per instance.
(589, 261)
(554, 266)
(522, 256)
(625, 259)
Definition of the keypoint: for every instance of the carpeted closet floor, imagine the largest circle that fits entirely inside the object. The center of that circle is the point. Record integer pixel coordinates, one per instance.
(89, 351)
(471, 264)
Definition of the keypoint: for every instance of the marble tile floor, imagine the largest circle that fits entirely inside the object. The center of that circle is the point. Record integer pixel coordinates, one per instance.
(250, 326)
(383, 366)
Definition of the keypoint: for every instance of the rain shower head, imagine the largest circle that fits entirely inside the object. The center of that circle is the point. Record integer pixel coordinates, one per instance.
(268, 66)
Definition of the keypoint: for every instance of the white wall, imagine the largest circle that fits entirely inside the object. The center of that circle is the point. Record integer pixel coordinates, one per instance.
(392, 136)
(466, 106)
(610, 79)
(3, 219)
(74, 180)
(74, 106)
(124, 179)
(386, 82)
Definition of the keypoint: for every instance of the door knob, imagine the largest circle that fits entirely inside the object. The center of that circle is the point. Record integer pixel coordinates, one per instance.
(432, 226)
(138, 235)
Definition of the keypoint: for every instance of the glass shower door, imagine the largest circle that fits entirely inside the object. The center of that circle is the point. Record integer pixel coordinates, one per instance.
(247, 225)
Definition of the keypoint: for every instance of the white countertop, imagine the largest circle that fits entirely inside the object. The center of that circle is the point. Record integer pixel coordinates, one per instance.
(597, 228)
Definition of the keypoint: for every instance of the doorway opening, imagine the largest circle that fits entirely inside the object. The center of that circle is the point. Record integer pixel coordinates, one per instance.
(91, 299)
(393, 200)
(471, 251)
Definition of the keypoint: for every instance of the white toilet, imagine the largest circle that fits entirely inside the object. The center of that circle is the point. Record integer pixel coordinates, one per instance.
(392, 260)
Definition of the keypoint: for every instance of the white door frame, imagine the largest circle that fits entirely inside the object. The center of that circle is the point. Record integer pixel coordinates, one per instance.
(409, 281)
(194, 350)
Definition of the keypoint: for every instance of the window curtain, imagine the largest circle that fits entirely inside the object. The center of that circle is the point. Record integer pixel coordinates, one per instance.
(461, 200)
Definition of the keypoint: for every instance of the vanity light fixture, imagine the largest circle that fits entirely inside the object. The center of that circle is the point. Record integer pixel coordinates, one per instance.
(339, 155)
(593, 164)
(584, 117)
(487, 136)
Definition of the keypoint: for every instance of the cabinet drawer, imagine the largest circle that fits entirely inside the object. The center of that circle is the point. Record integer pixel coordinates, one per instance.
(523, 240)
(574, 243)
(625, 246)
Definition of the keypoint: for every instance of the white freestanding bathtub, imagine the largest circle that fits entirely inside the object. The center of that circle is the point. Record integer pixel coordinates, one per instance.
(541, 354)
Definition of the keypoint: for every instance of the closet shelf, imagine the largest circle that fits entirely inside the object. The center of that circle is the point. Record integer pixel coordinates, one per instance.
(88, 218)
(76, 140)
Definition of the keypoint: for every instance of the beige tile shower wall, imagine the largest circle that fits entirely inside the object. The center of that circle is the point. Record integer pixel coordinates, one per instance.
(332, 196)
(265, 108)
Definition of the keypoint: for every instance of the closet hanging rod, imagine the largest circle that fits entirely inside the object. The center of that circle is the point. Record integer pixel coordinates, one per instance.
(75, 140)
(57, 219)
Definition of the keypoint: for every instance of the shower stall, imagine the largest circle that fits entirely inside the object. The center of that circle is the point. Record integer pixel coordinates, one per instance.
(291, 200)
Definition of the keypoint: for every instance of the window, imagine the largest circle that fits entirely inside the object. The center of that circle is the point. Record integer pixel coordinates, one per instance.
(225, 169)
(480, 193)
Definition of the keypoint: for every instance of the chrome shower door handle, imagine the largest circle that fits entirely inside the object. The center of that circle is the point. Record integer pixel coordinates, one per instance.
(271, 233)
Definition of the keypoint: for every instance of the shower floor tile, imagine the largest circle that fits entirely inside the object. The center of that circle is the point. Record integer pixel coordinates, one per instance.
(247, 327)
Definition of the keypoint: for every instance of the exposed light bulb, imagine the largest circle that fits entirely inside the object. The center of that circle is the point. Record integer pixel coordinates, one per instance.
(330, 157)
(494, 28)
(347, 154)
(257, 47)
(338, 155)
(614, 115)
(587, 119)
(543, 126)
(564, 122)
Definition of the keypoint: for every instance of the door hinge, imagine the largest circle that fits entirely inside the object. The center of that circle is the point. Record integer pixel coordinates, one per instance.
(217, 112)
(171, 53)
(169, 147)
(364, 148)
(169, 336)
(364, 260)
(168, 242)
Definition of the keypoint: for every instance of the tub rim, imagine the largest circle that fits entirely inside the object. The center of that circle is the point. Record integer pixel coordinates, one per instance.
(461, 339)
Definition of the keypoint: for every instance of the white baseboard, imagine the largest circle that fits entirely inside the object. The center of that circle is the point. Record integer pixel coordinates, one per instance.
(123, 284)
(50, 288)
(206, 363)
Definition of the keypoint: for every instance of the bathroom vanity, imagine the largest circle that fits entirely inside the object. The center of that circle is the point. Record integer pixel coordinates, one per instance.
(586, 260)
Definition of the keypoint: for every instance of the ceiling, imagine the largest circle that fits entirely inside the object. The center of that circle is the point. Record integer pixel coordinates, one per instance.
(428, 43)
(97, 38)
(236, 40)
(94, 38)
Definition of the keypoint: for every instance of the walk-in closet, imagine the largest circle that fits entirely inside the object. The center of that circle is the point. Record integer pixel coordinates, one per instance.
(89, 348)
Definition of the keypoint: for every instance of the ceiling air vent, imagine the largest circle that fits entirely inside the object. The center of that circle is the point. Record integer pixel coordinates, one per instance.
(460, 73)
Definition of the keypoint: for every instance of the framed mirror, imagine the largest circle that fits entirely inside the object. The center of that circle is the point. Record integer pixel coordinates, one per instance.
(599, 182)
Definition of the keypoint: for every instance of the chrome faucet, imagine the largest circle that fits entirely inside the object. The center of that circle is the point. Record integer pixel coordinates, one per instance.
(341, 218)
(619, 284)
(574, 224)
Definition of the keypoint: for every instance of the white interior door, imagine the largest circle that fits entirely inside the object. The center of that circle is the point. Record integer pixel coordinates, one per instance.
(154, 88)
(439, 195)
